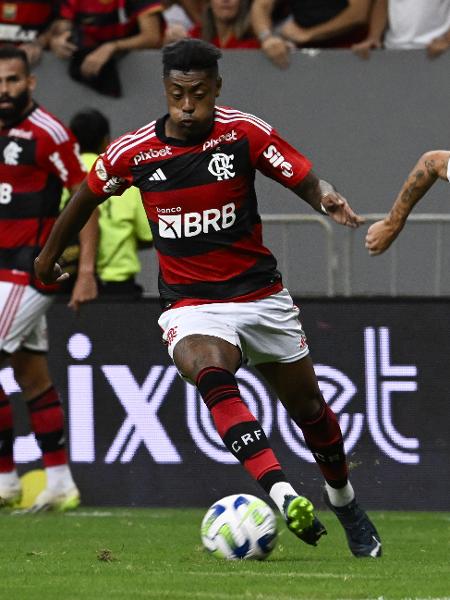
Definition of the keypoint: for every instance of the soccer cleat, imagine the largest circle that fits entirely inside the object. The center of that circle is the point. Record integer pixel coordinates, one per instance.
(54, 500)
(299, 514)
(10, 495)
(362, 537)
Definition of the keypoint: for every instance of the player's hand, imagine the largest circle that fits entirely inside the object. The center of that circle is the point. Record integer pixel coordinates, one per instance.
(84, 290)
(437, 47)
(380, 236)
(94, 61)
(363, 48)
(277, 50)
(340, 211)
(49, 273)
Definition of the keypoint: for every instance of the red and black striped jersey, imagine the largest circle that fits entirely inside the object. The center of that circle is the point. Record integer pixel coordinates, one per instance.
(38, 156)
(201, 203)
(23, 20)
(97, 21)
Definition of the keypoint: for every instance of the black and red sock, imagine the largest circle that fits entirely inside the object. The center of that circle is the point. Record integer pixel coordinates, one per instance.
(323, 437)
(241, 433)
(6, 434)
(47, 423)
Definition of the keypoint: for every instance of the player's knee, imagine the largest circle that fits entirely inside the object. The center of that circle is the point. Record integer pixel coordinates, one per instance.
(305, 406)
(195, 353)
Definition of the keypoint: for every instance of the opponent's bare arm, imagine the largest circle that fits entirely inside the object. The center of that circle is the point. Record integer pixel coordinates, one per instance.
(431, 166)
(322, 196)
(68, 225)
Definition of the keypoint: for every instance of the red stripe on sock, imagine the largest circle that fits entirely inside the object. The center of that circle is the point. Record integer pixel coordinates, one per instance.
(54, 459)
(228, 413)
(262, 463)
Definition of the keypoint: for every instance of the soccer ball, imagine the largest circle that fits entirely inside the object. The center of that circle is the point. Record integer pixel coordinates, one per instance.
(239, 526)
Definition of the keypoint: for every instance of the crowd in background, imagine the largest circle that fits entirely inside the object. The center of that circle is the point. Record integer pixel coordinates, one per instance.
(91, 34)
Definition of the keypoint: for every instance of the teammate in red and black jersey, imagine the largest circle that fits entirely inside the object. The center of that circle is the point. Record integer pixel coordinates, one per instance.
(26, 23)
(38, 156)
(195, 168)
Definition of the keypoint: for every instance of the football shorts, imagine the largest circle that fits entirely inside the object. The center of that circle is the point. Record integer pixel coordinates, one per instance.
(22, 318)
(267, 330)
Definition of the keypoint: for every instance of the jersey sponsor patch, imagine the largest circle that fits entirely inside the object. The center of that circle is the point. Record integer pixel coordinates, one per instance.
(277, 160)
(192, 224)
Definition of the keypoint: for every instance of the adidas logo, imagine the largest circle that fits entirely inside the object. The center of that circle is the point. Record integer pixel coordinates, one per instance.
(158, 175)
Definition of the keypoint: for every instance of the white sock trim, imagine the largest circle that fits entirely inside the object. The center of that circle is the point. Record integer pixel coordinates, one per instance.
(279, 491)
(342, 496)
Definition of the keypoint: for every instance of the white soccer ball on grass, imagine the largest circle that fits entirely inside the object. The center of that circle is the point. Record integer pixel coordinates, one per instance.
(240, 526)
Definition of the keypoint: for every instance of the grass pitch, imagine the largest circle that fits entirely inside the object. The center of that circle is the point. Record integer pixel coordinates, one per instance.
(156, 553)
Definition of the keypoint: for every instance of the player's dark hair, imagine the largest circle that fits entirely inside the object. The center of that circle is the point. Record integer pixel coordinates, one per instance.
(91, 128)
(9, 51)
(190, 55)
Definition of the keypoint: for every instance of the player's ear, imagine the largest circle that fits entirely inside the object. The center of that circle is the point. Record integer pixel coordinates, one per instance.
(218, 86)
(31, 83)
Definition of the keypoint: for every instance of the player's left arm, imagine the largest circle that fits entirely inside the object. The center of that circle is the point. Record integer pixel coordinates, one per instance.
(277, 159)
(324, 198)
(431, 166)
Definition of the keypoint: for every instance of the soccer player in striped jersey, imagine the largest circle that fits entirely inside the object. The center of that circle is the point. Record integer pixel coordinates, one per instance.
(38, 156)
(430, 167)
(223, 297)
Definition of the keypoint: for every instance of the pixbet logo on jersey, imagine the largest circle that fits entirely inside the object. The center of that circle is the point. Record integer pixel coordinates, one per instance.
(150, 154)
(194, 223)
(277, 160)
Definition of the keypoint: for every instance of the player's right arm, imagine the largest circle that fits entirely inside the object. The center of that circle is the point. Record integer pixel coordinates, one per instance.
(431, 166)
(67, 226)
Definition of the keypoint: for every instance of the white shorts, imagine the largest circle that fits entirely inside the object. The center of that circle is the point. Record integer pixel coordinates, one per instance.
(22, 318)
(266, 330)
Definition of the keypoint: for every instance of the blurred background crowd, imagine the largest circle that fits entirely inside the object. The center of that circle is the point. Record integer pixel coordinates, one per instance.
(92, 35)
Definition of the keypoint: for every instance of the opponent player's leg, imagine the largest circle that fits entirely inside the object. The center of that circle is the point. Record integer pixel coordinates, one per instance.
(10, 489)
(296, 385)
(47, 422)
(211, 362)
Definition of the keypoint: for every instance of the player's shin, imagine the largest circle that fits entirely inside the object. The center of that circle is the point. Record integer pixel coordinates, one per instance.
(241, 433)
(323, 437)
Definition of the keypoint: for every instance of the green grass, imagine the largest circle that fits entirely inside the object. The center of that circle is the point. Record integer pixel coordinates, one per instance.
(132, 554)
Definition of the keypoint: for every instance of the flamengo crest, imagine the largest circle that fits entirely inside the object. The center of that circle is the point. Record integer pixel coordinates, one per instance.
(221, 166)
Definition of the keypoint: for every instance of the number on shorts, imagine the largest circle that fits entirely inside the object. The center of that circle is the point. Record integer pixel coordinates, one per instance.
(5, 193)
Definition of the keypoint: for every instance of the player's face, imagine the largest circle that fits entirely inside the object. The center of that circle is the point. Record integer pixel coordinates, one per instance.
(191, 98)
(16, 87)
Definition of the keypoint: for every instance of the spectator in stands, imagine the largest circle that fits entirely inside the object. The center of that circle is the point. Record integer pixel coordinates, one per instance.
(312, 24)
(407, 24)
(92, 32)
(182, 13)
(123, 223)
(225, 23)
(27, 25)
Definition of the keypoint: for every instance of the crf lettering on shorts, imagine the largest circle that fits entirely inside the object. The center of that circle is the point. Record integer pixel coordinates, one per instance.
(230, 136)
(246, 440)
(151, 153)
(194, 223)
(277, 160)
(171, 335)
